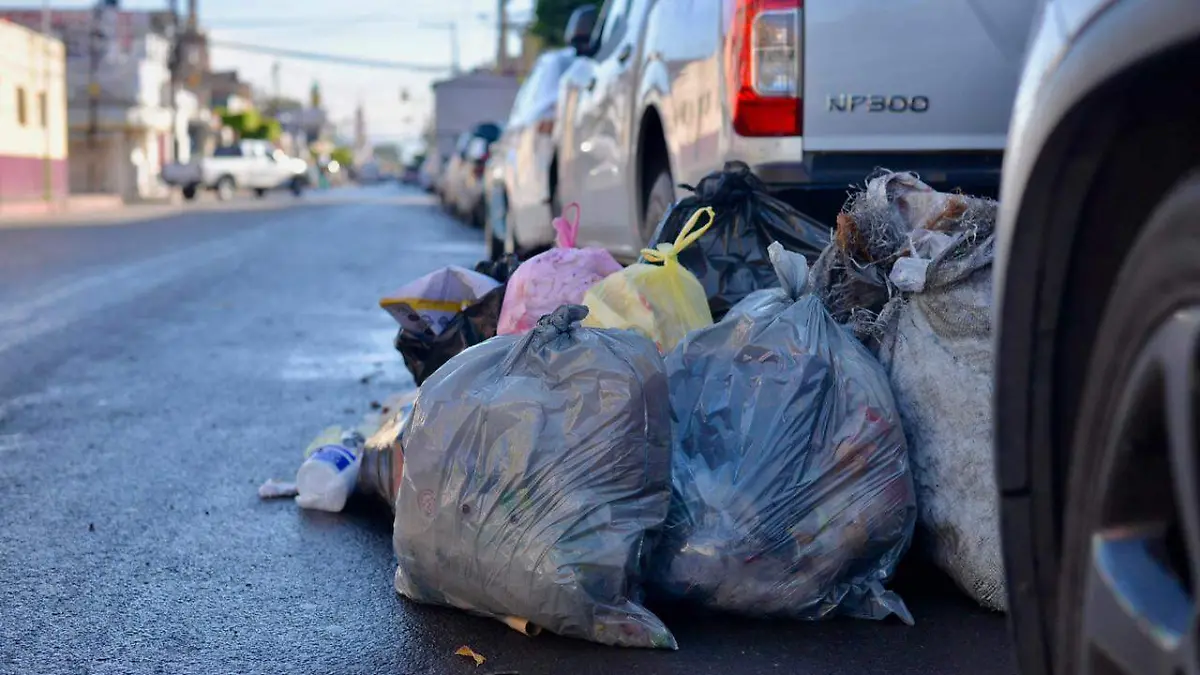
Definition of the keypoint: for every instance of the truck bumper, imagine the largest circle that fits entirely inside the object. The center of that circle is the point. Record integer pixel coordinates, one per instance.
(977, 172)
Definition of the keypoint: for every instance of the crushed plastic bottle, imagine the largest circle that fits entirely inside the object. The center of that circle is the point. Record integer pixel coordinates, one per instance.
(326, 479)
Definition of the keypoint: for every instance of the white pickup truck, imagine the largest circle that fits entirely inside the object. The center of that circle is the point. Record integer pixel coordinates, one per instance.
(251, 164)
(812, 94)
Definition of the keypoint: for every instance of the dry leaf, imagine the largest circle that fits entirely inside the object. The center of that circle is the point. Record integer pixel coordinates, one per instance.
(470, 654)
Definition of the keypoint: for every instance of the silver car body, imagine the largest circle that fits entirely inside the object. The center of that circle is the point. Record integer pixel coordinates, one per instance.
(1079, 51)
(663, 62)
(519, 174)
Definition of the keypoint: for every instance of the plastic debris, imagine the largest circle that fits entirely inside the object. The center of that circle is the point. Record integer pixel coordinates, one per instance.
(327, 477)
(537, 470)
(791, 487)
(560, 276)
(730, 260)
(276, 489)
(661, 300)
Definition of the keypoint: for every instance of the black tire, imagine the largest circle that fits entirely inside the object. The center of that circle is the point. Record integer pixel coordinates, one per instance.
(260, 192)
(225, 188)
(297, 186)
(658, 200)
(189, 192)
(494, 247)
(1123, 472)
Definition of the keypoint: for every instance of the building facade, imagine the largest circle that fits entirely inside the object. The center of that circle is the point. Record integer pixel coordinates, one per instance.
(33, 112)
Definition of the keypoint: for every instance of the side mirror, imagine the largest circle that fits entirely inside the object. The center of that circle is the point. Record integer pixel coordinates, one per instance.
(579, 29)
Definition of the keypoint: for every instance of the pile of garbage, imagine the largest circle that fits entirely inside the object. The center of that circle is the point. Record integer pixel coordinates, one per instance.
(716, 424)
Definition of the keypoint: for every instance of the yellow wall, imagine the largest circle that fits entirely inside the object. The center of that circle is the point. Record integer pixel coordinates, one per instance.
(35, 65)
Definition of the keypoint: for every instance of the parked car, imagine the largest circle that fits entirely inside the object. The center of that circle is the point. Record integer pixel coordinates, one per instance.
(430, 173)
(811, 94)
(1098, 292)
(462, 188)
(519, 178)
(252, 164)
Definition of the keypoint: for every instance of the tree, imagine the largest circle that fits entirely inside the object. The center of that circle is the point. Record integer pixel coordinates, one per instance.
(343, 155)
(250, 125)
(550, 19)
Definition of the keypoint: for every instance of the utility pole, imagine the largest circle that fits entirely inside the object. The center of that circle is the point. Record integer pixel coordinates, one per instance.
(173, 64)
(502, 36)
(275, 89)
(44, 103)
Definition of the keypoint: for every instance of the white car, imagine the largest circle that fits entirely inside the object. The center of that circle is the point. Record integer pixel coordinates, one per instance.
(520, 177)
(251, 164)
(812, 94)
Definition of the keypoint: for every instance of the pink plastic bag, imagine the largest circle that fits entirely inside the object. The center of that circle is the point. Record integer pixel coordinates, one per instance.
(549, 280)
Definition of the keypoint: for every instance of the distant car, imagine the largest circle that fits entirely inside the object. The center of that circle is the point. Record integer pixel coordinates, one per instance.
(251, 164)
(519, 185)
(430, 173)
(812, 94)
(1097, 403)
(462, 191)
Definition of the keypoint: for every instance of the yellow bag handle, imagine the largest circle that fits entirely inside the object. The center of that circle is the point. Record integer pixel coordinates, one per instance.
(665, 253)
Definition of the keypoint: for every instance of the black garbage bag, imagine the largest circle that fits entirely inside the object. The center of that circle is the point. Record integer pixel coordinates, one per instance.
(792, 495)
(536, 476)
(424, 351)
(730, 260)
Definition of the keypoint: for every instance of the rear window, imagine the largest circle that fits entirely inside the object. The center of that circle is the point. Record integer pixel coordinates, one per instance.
(228, 151)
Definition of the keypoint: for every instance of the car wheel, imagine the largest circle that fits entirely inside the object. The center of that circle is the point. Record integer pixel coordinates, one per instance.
(497, 213)
(225, 187)
(297, 186)
(658, 201)
(260, 193)
(189, 192)
(1131, 534)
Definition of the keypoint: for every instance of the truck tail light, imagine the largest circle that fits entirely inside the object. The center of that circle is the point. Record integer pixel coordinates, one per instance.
(763, 69)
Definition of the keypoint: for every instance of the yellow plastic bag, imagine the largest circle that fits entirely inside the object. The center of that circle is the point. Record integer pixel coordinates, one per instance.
(663, 302)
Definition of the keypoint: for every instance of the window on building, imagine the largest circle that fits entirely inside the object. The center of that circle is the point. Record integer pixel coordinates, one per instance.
(43, 113)
(22, 119)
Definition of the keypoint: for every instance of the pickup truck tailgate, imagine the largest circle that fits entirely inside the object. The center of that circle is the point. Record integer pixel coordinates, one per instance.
(911, 75)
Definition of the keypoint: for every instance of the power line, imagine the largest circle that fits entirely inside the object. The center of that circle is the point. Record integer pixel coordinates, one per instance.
(331, 58)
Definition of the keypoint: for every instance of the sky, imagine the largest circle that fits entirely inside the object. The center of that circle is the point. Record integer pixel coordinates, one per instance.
(411, 31)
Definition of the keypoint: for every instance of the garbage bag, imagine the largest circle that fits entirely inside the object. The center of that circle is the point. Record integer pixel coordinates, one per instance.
(383, 453)
(927, 310)
(661, 301)
(560, 276)
(731, 260)
(792, 494)
(500, 270)
(537, 475)
(425, 306)
(426, 345)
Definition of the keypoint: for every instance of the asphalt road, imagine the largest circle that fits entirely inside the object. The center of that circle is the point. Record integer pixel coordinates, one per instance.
(154, 373)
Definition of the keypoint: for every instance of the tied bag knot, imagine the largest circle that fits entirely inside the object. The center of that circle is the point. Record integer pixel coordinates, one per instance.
(667, 254)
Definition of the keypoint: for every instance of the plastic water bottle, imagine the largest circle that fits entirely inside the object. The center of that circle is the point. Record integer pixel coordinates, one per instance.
(326, 479)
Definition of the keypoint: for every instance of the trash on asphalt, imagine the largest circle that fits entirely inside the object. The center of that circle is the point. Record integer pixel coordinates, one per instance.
(536, 474)
(658, 298)
(276, 489)
(327, 477)
(470, 654)
(911, 273)
(461, 309)
(382, 453)
(730, 259)
(560, 276)
(791, 495)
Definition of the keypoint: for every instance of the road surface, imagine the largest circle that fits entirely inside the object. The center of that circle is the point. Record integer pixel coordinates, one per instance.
(154, 373)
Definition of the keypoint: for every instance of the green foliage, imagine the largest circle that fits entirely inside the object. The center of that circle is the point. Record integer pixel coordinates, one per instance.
(550, 19)
(342, 155)
(251, 125)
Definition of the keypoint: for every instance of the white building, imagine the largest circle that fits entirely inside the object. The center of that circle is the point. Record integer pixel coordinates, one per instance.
(122, 129)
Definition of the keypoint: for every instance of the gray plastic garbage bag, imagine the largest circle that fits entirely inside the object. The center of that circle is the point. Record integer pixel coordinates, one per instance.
(928, 315)
(536, 476)
(791, 488)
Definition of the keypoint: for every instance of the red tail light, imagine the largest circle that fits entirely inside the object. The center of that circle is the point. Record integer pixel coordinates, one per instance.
(763, 52)
(545, 127)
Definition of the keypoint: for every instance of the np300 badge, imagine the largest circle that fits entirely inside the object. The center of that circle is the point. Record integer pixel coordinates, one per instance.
(877, 103)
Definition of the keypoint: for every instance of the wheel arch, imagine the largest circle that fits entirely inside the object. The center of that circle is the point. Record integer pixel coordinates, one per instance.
(1105, 159)
(652, 153)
